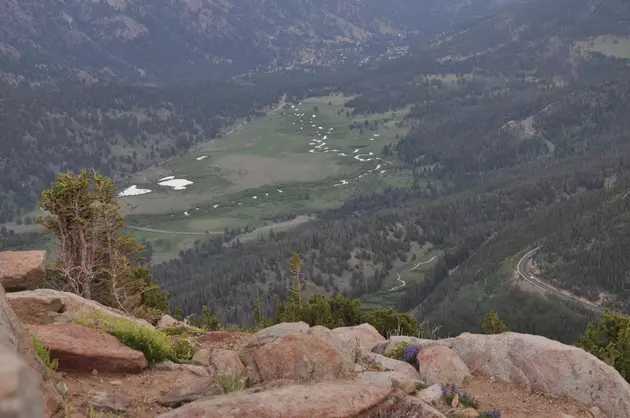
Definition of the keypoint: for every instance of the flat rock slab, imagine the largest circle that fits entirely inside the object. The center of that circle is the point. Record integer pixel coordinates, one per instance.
(108, 402)
(333, 399)
(82, 349)
(190, 392)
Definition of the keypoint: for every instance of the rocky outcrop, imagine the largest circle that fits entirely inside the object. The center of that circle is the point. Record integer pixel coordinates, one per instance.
(82, 349)
(321, 399)
(46, 306)
(21, 270)
(14, 337)
(439, 364)
(546, 366)
(364, 336)
(20, 394)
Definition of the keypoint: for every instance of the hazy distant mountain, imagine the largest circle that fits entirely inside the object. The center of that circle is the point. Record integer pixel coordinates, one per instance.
(175, 40)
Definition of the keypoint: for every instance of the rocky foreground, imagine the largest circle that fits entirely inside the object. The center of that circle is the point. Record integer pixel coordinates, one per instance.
(287, 370)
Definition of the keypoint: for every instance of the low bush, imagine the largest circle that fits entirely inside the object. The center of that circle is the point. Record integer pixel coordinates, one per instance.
(155, 345)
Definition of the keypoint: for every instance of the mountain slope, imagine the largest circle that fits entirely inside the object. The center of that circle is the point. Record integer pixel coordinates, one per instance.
(167, 40)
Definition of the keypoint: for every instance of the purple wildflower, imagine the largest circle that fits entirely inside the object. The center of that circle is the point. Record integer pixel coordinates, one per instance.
(494, 413)
(410, 354)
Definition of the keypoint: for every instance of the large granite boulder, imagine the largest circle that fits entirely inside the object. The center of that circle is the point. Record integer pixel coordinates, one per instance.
(21, 270)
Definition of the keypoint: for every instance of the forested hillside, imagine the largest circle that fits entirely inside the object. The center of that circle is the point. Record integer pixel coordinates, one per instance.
(515, 154)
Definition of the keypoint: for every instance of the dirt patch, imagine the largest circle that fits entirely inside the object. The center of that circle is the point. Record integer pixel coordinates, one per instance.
(248, 171)
(142, 389)
(515, 402)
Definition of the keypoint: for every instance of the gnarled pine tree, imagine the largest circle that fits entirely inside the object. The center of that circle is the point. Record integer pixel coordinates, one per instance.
(95, 259)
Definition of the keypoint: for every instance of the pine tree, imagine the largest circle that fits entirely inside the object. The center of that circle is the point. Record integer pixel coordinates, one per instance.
(95, 259)
(492, 324)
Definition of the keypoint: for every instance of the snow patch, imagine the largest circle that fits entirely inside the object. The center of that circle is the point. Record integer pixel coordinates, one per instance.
(133, 191)
(176, 184)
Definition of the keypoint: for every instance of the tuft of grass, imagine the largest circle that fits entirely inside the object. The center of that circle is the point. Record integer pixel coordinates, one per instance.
(494, 413)
(421, 386)
(44, 354)
(95, 413)
(155, 345)
(230, 384)
(468, 401)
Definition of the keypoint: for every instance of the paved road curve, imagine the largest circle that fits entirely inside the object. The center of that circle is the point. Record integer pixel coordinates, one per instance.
(524, 269)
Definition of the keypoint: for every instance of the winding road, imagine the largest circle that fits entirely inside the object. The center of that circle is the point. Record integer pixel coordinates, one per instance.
(402, 282)
(524, 268)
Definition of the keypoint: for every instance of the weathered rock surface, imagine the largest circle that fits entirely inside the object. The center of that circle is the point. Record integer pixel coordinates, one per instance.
(386, 347)
(439, 364)
(14, 337)
(227, 363)
(109, 403)
(190, 392)
(168, 365)
(410, 406)
(400, 384)
(371, 360)
(546, 366)
(348, 352)
(431, 395)
(338, 399)
(297, 357)
(167, 322)
(82, 349)
(20, 394)
(31, 306)
(364, 336)
(202, 357)
(21, 270)
(272, 333)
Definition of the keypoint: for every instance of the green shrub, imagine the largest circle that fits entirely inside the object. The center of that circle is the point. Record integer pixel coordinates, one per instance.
(230, 384)
(183, 349)
(399, 351)
(387, 322)
(609, 341)
(155, 345)
(492, 324)
(44, 355)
